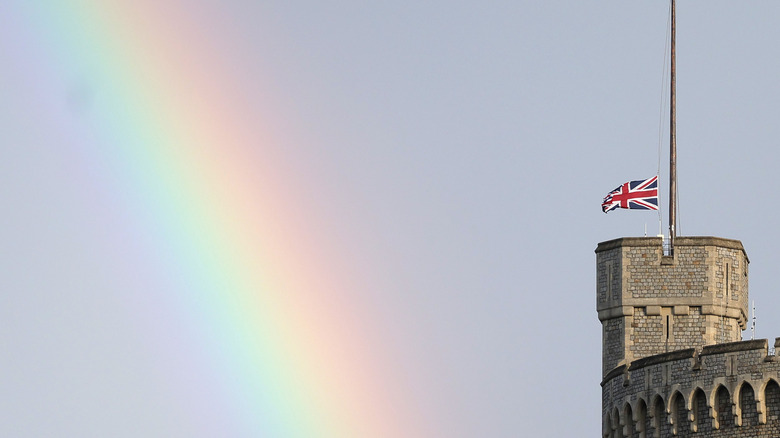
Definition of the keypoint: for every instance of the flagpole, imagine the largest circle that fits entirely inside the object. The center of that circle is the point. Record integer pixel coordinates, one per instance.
(673, 140)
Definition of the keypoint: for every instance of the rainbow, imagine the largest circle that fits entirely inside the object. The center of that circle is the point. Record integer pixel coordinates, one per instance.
(270, 317)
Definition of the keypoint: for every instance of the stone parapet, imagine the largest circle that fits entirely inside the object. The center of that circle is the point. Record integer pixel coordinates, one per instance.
(724, 390)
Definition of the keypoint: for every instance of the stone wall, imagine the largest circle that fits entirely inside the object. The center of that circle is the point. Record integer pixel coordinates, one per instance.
(725, 390)
(650, 303)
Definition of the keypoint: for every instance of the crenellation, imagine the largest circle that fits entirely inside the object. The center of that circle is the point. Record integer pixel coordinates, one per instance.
(674, 363)
(732, 396)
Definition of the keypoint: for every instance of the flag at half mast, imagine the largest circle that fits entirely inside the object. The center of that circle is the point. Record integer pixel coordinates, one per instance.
(634, 195)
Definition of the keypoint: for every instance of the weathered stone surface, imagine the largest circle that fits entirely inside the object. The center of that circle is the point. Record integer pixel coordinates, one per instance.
(726, 390)
(673, 360)
(650, 303)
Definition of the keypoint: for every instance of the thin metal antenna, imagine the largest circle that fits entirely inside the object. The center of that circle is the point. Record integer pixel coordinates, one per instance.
(753, 326)
(673, 137)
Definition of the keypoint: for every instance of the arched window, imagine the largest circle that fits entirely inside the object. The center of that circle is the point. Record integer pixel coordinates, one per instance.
(616, 427)
(747, 405)
(642, 424)
(772, 397)
(723, 413)
(701, 412)
(628, 421)
(679, 415)
(660, 423)
(606, 430)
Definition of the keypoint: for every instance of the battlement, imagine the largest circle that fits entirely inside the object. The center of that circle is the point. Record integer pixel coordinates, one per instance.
(722, 390)
(650, 303)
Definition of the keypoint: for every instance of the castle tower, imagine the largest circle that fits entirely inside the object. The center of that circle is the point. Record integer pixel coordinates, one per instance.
(650, 303)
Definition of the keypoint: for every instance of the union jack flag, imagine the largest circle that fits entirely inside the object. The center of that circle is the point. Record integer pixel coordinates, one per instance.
(637, 195)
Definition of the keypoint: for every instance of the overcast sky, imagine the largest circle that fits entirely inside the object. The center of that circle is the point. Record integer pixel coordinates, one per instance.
(447, 160)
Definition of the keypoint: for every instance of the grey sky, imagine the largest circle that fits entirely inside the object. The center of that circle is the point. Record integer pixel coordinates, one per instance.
(458, 151)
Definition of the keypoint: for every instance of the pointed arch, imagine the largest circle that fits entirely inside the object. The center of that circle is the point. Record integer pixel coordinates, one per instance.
(676, 409)
(761, 400)
(747, 405)
(772, 399)
(723, 413)
(617, 429)
(735, 400)
(698, 409)
(640, 417)
(657, 411)
(627, 420)
(606, 428)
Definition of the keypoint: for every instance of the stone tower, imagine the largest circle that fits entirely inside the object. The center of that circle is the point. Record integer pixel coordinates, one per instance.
(674, 364)
(650, 303)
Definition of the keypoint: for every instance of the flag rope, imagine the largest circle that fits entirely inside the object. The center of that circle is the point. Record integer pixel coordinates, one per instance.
(662, 112)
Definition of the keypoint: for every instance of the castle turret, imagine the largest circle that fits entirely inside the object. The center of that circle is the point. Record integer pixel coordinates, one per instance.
(650, 303)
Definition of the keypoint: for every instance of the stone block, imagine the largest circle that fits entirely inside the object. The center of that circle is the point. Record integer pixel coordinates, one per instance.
(681, 310)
